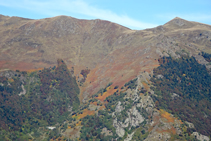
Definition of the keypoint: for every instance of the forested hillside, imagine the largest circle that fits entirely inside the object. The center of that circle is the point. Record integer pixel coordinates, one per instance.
(183, 87)
(29, 101)
(122, 84)
(44, 105)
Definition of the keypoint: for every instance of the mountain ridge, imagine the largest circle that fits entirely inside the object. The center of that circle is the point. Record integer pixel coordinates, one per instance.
(113, 67)
(34, 44)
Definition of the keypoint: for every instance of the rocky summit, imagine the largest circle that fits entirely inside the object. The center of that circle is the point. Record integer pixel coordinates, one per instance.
(64, 78)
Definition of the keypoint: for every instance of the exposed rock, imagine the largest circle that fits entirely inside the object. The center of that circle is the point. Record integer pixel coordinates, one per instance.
(69, 109)
(119, 129)
(129, 137)
(48, 98)
(8, 74)
(93, 107)
(118, 108)
(158, 136)
(190, 125)
(106, 48)
(23, 92)
(159, 76)
(136, 117)
(202, 61)
(146, 101)
(200, 136)
(8, 84)
(144, 77)
(174, 95)
(165, 54)
(106, 132)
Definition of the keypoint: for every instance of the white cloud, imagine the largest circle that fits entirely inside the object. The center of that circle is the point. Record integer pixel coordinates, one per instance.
(65, 7)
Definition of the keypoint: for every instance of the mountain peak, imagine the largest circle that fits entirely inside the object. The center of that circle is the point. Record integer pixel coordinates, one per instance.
(177, 18)
(178, 22)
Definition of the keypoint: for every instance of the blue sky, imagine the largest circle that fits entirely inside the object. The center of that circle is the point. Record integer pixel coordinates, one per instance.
(135, 14)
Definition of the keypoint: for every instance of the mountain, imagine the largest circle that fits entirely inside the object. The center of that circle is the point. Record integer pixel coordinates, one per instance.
(105, 57)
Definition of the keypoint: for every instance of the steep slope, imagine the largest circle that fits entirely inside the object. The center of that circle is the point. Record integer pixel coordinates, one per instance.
(100, 52)
(184, 89)
(112, 52)
(30, 101)
(143, 49)
(39, 43)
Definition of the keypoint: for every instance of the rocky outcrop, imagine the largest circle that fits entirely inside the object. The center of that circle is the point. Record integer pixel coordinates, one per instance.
(190, 125)
(134, 118)
(118, 108)
(23, 92)
(106, 132)
(8, 74)
(119, 128)
(154, 136)
(159, 76)
(200, 136)
(174, 95)
(202, 61)
(129, 137)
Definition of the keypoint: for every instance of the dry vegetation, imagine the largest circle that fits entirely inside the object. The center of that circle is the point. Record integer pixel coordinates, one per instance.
(112, 52)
